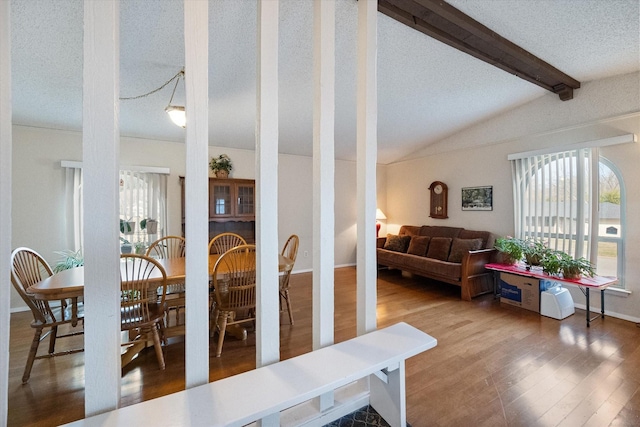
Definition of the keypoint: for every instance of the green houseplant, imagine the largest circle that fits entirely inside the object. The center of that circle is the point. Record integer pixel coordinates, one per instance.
(550, 262)
(125, 246)
(510, 248)
(149, 224)
(140, 248)
(127, 226)
(572, 268)
(70, 259)
(221, 165)
(534, 251)
(556, 262)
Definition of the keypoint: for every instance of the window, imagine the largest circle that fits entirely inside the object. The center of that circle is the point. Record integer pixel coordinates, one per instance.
(143, 195)
(573, 201)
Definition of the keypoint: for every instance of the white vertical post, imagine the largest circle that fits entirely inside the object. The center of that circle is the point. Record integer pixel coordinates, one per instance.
(367, 146)
(5, 207)
(268, 312)
(323, 178)
(323, 171)
(196, 40)
(268, 322)
(100, 156)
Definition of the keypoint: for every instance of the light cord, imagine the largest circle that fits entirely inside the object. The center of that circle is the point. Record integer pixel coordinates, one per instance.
(177, 76)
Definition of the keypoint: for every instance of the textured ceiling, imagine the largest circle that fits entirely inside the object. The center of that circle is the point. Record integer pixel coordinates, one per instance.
(426, 90)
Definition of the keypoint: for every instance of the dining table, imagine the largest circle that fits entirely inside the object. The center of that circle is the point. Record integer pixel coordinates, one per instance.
(69, 284)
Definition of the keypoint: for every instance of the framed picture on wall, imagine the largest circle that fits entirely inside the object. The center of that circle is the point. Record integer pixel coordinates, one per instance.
(477, 198)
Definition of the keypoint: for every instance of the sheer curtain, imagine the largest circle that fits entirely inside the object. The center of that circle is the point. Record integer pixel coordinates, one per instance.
(73, 203)
(143, 195)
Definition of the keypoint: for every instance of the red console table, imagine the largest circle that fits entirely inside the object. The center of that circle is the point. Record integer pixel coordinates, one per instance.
(584, 283)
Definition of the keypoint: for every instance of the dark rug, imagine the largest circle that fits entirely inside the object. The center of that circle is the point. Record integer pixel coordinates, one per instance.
(363, 417)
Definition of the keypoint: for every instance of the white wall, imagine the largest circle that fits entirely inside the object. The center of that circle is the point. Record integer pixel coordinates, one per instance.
(40, 221)
(601, 109)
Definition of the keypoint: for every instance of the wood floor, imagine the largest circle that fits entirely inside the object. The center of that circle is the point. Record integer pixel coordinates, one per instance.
(494, 365)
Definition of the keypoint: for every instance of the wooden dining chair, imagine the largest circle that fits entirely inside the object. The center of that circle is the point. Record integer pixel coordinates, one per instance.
(27, 269)
(289, 250)
(143, 285)
(234, 279)
(225, 241)
(171, 247)
(220, 244)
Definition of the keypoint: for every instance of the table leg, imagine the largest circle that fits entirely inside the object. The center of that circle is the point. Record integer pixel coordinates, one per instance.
(602, 302)
(74, 311)
(586, 294)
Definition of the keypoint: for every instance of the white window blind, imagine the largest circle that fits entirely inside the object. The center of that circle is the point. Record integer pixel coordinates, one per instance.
(553, 196)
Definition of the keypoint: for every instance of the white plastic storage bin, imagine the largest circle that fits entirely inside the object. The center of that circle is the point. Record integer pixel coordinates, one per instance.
(556, 303)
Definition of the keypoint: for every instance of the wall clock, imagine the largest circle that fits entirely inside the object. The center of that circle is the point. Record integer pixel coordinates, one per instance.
(439, 195)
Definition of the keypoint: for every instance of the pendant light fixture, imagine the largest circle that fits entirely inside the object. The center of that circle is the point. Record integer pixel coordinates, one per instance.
(177, 113)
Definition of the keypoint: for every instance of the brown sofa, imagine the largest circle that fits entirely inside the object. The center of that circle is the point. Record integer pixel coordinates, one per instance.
(447, 254)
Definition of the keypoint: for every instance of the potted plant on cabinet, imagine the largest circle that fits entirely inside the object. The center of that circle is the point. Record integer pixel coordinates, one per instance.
(221, 166)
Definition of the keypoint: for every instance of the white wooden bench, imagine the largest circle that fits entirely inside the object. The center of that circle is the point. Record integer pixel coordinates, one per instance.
(368, 369)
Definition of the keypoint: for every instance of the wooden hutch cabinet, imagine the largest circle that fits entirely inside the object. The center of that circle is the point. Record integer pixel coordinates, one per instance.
(231, 207)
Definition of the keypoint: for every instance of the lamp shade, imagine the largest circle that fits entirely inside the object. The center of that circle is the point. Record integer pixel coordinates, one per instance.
(177, 115)
(380, 214)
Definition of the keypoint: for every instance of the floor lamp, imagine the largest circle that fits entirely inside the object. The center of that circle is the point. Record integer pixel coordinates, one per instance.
(379, 215)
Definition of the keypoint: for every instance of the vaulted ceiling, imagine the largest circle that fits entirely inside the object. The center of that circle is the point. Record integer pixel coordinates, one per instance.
(427, 90)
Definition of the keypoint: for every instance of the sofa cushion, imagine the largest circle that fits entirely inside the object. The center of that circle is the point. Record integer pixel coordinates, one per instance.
(486, 236)
(440, 231)
(439, 248)
(409, 230)
(459, 247)
(418, 245)
(397, 243)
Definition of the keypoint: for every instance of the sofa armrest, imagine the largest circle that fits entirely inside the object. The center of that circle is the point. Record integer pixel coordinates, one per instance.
(380, 241)
(473, 262)
(475, 279)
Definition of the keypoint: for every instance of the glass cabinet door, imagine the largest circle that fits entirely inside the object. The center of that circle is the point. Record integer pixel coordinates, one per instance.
(245, 200)
(220, 200)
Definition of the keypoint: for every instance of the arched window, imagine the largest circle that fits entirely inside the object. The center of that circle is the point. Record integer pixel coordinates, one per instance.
(573, 201)
(611, 220)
